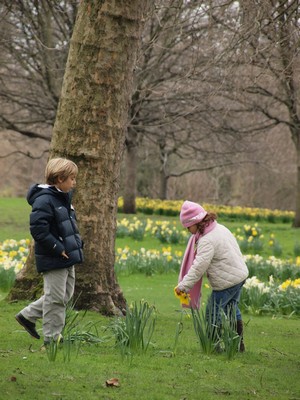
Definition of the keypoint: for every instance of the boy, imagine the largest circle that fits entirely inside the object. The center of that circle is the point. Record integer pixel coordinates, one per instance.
(58, 247)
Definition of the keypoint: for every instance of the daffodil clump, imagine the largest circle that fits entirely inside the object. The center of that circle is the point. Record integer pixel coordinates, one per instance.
(167, 232)
(172, 208)
(133, 332)
(135, 228)
(271, 297)
(280, 269)
(13, 255)
(275, 246)
(250, 238)
(164, 231)
(289, 283)
(147, 261)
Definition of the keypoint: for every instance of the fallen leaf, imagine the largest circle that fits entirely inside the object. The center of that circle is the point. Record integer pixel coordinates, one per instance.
(113, 382)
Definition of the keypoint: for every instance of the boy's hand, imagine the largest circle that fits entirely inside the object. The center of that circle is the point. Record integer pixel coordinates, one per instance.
(64, 255)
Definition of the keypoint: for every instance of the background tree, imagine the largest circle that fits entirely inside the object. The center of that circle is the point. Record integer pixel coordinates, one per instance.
(34, 42)
(262, 88)
(174, 110)
(90, 129)
(35, 37)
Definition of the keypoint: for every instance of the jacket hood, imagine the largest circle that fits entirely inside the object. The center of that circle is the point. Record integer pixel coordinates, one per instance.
(38, 190)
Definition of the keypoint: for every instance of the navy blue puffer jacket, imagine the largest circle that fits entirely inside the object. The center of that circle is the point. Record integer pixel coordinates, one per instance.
(54, 229)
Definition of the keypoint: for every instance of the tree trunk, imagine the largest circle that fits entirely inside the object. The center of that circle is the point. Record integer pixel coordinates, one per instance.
(163, 188)
(90, 129)
(129, 197)
(296, 223)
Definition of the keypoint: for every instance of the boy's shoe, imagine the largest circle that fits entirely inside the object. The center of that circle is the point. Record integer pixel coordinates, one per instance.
(28, 325)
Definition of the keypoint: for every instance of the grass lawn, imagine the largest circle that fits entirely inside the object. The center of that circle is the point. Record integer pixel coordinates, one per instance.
(14, 220)
(268, 370)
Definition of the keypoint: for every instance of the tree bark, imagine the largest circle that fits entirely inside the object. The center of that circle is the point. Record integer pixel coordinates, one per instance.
(90, 129)
(296, 222)
(129, 206)
(163, 188)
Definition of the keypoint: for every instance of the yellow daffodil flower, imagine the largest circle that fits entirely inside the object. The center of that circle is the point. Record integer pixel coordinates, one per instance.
(183, 297)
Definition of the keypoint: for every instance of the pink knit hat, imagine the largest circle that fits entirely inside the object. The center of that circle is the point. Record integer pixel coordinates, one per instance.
(191, 213)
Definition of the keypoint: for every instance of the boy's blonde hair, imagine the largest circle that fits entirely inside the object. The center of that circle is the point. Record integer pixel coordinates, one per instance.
(59, 168)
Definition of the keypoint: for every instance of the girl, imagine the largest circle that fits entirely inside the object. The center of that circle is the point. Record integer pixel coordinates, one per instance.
(212, 249)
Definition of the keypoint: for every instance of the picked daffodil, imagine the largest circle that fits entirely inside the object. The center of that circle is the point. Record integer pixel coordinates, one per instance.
(183, 297)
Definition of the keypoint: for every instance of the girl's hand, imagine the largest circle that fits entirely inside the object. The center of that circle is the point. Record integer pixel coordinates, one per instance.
(64, 255)
(177, 290)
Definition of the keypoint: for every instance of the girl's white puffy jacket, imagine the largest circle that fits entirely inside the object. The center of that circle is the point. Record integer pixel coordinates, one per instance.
(218, 255)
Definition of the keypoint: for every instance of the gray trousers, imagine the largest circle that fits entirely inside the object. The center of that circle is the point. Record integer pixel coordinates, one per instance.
(58, 290)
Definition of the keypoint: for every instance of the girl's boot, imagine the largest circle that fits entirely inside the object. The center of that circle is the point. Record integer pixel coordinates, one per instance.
(240, 331)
